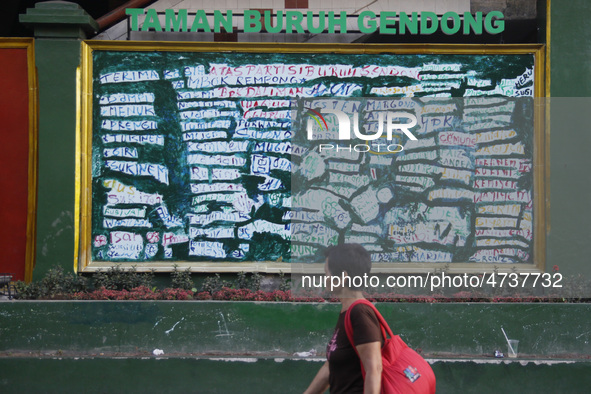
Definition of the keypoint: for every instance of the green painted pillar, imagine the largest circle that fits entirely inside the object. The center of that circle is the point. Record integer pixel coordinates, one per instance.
(570, 186)
(58, 27)
(570, 53)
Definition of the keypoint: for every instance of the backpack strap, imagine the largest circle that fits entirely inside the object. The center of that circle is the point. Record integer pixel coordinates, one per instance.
(349, 326)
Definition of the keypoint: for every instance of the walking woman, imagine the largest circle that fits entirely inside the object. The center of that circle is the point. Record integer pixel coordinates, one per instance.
(342, 370)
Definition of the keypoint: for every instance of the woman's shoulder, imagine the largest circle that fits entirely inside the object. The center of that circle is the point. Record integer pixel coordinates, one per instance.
(365, 324)
(360, 310)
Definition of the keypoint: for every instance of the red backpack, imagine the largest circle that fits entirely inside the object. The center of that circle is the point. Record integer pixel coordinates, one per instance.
(404, 371)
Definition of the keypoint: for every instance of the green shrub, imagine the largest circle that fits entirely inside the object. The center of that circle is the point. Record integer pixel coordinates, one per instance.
(211, 284)
(182, 279)
(284, 283)
(241, 280)
(54, 284)
(255, 281)
(116, 278)
(27, 291)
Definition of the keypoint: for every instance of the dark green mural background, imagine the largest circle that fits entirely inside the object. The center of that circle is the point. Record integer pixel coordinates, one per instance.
(176, 195)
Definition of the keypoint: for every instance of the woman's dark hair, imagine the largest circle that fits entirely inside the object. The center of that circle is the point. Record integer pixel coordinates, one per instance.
(352, 258)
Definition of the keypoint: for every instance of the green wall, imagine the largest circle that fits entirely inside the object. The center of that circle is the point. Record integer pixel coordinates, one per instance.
(59, 28)
(57, 60)
(570, 49)
(204, 376)
(248, 347)
(281, 329)
(568, 243)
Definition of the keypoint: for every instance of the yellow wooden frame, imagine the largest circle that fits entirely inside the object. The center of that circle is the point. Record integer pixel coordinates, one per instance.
(83, 151)
(31, 236)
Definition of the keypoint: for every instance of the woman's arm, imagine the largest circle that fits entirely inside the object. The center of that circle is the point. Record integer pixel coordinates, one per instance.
(320, 383)
(371, 358)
